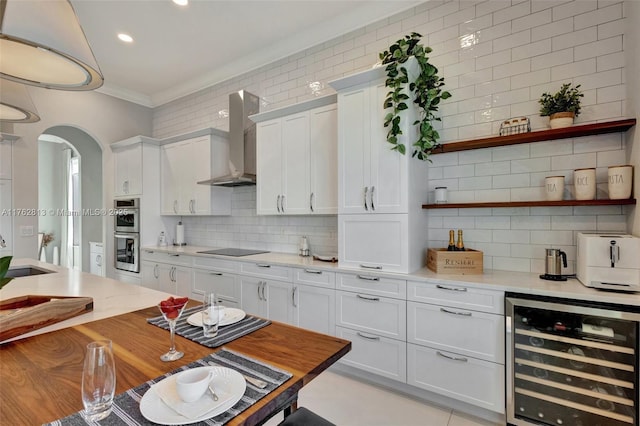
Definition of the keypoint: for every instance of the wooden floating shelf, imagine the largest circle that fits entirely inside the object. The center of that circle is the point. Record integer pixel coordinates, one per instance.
(542, 203)
(539, 136)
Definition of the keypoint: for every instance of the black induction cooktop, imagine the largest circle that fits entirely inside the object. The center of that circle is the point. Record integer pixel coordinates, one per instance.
(235, 252)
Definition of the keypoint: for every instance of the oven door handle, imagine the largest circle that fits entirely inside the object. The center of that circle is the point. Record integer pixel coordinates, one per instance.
(133, 235)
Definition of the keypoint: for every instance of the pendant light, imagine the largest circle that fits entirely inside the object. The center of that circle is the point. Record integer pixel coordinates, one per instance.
(43, 45)
(15, 103)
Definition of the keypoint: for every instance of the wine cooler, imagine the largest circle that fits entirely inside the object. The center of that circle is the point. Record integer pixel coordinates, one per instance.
(571, 362)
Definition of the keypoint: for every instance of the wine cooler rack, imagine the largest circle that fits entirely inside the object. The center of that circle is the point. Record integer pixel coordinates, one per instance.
(571, 362)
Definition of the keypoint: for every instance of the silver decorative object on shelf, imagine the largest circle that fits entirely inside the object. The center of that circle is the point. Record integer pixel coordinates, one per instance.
(514, 126)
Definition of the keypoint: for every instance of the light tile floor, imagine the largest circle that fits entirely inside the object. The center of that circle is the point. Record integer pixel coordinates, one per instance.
(349, 402)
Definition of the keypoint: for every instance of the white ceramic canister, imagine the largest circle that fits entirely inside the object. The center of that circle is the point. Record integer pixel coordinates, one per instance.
(554, 187)
(584, 181)
(441, 194)
(620, 180)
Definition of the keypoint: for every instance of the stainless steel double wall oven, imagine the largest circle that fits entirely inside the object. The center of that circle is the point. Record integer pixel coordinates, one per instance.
(127, 234)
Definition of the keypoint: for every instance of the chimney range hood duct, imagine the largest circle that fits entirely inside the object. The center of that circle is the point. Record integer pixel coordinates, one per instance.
(242, 142)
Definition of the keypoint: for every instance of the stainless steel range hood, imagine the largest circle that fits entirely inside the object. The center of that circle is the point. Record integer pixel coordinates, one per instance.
(242, 142)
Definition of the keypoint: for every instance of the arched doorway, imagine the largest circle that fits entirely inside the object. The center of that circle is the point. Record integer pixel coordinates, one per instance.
(70, 192)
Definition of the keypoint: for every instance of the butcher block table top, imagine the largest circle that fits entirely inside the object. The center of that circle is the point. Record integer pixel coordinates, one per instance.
(40, 375)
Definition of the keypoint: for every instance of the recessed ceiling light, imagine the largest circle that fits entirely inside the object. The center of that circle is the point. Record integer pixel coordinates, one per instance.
(125, 37)
(181, 2)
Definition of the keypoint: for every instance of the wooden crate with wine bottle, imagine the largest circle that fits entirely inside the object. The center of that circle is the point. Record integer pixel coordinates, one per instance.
(456, 258)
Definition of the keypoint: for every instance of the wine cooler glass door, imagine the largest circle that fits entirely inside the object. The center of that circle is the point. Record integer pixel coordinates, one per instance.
(571, 364)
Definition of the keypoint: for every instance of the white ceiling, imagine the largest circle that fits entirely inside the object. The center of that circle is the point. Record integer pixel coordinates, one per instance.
(180, 50)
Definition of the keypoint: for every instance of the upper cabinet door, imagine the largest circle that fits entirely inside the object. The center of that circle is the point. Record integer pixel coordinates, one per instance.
(5, 160)
(389, 169)
(354, 132)
(128, 170)
(323, 160)
(295, 164)
(269, 167)
(170, 177)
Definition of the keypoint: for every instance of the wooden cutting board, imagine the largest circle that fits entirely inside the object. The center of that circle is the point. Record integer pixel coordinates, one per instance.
(23, 314)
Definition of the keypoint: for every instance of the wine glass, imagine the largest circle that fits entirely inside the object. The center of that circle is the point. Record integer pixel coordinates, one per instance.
(171, 311)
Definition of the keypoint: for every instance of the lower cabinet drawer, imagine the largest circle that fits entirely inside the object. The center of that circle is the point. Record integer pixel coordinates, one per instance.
(375, 354)
(225, 285)
(469, 333)
(372, 314)
(467, 379)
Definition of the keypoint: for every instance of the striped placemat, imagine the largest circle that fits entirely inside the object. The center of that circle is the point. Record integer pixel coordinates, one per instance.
(126, 406)
(226, 333)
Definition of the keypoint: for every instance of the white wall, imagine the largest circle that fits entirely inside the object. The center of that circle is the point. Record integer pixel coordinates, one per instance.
(497, 58)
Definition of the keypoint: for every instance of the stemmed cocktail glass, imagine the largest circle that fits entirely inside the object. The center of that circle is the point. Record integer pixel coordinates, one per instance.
(171, 311)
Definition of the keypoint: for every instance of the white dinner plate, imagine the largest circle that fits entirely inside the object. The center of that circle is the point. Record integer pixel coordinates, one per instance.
(231, 316)
(225, 381)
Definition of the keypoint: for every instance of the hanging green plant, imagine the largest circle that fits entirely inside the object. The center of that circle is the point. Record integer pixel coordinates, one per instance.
(426, 89)
(4, 267)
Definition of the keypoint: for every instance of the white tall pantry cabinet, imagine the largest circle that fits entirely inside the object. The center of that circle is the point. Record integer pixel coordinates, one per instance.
(381, 224)
(6, 200)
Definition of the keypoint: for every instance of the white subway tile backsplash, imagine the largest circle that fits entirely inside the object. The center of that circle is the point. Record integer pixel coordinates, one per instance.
(531, 165)
(511, 181)
(599, 16)
(556, 147)
(574, 8)
(553, 29)
(513, 68)
(555, 237)
(608, 142)
(512, 13)
(575, 222)
(512, 152)
(474, 156)
(512, 40)
(472, 183)
(531, 79)
(598, 48)
(611, 158)
(558, 57)
(493, 168)
(459, 171)
(573, 70)
(490, 195)
(531, 50)
(493, 222)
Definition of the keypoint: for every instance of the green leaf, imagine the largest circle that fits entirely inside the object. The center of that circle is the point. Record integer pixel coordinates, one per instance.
(402, 106)
(401, 149)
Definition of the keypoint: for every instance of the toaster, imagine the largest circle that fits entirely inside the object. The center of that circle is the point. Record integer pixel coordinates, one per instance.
(609, 261)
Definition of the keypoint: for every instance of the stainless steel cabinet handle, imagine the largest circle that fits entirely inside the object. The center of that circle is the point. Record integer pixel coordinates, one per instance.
(311, 202)
(461, 359)
(441, 287)
(282, 203)
(191, 206)
(311, 271)
(362, 265)
(99, 260)
(367, 337)
(155, 271)
(372, 299)
(366, 189)
(259, 285)
(175, 255)
(172, 273)
(373, 206)
(175, 206)
(263, 265)
(216, 273)
(293, 297)
(264, 285)
(464, 314)
(364, 277)
(278, 204)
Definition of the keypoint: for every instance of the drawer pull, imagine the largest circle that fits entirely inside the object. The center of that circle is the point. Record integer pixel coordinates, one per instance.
(370, 266)
(441, 287)
(464, 314)
(262, 265)
(215, 273)
(371, 299)
(149, 251)
(454, 358)
(367, 337)
(175, 255)
(311, 271)
(364, 277)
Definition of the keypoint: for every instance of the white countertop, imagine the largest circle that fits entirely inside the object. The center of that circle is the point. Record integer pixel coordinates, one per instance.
(520, 282)
(110, 297)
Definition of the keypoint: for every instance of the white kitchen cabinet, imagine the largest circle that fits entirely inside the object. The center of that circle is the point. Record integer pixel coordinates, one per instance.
(168, 272)
(376, 242)
(128, 170)
(225, 285)
(314, 308)
(174, 279)
(150, 274)
(469, 333)
(186, 162)
(372, 314)
(375, 354)
(267, 298)
(297, 162)
(374, 180)
(466, 379)
(457, 296)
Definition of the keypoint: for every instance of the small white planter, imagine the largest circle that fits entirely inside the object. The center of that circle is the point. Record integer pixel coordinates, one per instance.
(561, 119)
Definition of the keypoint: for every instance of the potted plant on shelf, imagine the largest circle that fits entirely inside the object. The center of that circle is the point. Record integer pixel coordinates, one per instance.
(561, 107)
(426, 92)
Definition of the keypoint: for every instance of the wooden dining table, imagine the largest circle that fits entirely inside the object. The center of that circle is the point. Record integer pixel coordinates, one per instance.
(40, 375)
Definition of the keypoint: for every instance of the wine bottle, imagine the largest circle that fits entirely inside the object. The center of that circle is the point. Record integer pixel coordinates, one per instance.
(452, 242)
(460, 243)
